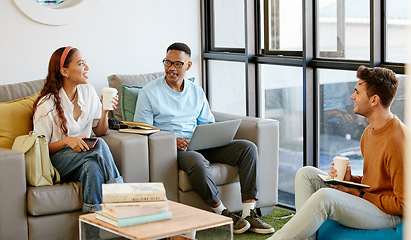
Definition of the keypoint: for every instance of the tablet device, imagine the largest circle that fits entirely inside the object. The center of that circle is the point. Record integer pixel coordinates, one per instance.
(91, 142)
(213, 134)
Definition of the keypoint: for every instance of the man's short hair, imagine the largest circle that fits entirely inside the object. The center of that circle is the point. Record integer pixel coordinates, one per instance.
(379, 81)
(180, 47)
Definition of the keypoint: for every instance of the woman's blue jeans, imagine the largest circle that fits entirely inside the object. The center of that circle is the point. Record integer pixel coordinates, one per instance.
(92, 168)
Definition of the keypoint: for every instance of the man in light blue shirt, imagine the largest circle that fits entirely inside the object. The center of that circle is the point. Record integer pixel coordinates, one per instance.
(159, 104)
(175, 104)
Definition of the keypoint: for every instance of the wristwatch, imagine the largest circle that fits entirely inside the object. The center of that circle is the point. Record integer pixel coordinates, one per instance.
(362, 194)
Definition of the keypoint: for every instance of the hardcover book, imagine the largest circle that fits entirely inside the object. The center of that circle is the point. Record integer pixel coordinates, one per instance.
(125, 222)
(138, 131)
(154, 204)
(138, 127)
(127, 212)
(133, 192)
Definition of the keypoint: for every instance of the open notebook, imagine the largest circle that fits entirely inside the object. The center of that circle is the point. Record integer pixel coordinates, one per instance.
(331, 180)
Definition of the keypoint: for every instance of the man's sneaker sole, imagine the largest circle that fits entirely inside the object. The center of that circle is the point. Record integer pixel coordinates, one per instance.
(262, 231)
(242, 230)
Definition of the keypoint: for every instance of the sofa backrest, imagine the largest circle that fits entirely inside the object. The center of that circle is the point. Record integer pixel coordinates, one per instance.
(9, 92)
(117, 81)
(16, 114)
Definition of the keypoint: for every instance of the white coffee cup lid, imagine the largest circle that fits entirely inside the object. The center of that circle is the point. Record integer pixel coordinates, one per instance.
(341, 158)
(109, 90)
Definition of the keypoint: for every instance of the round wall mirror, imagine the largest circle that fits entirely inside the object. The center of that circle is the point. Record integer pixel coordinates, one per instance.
(56, 12)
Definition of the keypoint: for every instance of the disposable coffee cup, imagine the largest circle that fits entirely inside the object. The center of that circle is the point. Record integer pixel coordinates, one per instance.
(108, 95)
(341, 164)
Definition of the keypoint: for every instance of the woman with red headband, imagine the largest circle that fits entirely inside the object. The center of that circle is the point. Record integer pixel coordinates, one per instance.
(67, 110)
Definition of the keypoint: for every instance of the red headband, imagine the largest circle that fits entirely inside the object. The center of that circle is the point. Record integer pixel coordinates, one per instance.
(64, 55)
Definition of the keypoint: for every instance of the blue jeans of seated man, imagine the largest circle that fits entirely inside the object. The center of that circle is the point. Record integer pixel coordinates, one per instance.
(92, 168)
(316, 201)
(240, 153)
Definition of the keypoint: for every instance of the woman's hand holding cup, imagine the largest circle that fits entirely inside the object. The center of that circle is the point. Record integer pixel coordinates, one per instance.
(110, 98)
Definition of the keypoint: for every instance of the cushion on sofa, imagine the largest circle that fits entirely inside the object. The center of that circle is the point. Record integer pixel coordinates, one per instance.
(222, 174)
(59, 198)
(15, 119)
(332, 230)
(129, 95)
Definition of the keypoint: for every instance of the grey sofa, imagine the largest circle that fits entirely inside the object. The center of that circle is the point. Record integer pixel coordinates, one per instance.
(163, 157)
(51, 212)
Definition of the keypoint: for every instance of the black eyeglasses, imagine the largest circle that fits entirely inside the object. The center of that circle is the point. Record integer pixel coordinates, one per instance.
(177, 64)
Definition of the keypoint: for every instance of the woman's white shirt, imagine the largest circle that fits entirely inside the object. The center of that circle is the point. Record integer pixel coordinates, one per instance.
(46, 121)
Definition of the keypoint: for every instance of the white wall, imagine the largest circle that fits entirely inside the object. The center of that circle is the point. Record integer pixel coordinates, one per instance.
(122, 37)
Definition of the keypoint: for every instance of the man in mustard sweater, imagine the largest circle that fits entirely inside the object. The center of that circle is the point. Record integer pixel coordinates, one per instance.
(383, 148)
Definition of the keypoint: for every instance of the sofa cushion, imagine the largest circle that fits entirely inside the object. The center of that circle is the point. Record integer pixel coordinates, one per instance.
(15, 119)
(221, 173)
(59, 198)
(129, 95)
(117, 81)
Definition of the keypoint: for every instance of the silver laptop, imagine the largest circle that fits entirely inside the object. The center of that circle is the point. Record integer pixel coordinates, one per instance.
(213, 135)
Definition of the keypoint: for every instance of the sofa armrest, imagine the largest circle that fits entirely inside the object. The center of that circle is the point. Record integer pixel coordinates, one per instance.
(163, 162)
(265, 134)
(13, 212)
(130, 153)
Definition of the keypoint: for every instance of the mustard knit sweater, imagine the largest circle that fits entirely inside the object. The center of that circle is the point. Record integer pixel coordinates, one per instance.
(384, 159)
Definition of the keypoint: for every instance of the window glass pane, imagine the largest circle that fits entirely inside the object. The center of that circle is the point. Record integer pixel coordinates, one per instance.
(285, 25)
(343, 29)
(227, 87)
(283, 101)
(229, 24)
(340, 128)
(397, 24)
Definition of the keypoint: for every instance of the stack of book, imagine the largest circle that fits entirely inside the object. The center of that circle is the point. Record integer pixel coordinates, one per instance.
(128, 204)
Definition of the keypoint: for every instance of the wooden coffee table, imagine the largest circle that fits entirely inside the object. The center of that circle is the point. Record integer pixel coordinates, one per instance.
(185, 219)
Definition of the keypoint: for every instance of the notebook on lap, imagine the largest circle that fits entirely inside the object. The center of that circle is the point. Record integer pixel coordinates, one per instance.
(213, 135)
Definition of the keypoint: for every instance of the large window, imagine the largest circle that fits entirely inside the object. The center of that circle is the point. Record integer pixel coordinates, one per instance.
(340, 128)
(296, 61)
(227, 81)
(284, 26)
(397, 23)
(343, 29)
(283, 97)
(229, 28)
